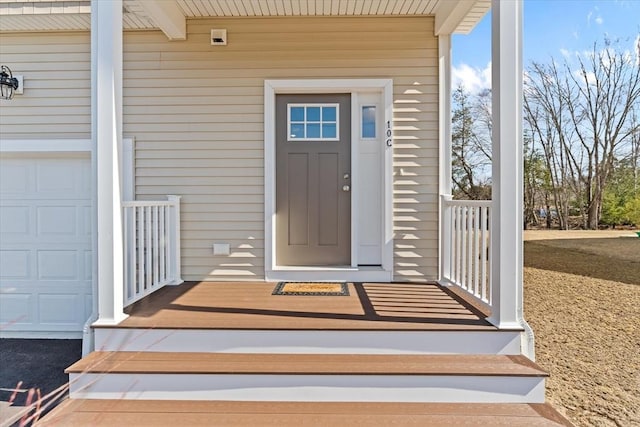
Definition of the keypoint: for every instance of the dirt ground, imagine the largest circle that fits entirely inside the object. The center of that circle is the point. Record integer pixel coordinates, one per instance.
(582, 298)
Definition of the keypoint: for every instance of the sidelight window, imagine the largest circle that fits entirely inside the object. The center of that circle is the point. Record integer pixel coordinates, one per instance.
(368, 129)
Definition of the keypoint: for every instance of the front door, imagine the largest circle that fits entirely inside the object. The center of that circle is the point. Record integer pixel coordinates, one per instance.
(313, 180)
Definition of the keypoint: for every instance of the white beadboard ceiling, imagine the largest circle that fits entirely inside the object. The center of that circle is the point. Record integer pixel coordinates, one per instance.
(45, 15)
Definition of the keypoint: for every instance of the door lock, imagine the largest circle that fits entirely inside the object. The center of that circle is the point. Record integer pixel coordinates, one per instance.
(346, 188)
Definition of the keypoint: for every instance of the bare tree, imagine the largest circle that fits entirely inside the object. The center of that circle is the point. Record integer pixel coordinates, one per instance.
(582, 116)
(547, 124)
(470, 148)
(609, 86)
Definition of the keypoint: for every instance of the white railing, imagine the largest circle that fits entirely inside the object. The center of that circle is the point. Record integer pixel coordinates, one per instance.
(466, 260)
(151, 246)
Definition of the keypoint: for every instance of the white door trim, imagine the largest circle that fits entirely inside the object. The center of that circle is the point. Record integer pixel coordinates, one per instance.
(353, 86)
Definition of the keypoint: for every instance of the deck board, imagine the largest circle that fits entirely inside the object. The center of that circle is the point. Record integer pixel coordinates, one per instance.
(241, 305)
(308, 364)
(101, 413)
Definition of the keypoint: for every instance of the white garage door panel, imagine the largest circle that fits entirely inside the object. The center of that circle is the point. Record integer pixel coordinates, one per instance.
(45, 220)
(45, 243)
(45, 313)
(63, 309)
(15, 264)
(14, 177)
(58, 265)
(59, 174)
(14, 221)
(16, 309)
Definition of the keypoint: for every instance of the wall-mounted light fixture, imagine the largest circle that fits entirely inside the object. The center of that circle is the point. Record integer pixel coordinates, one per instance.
(8, 83)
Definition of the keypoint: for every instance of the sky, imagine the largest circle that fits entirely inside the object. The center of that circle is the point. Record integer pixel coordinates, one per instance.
(552, 28)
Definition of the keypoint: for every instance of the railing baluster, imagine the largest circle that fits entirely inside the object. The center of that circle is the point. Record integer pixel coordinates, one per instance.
(490, 266)
(452, 236)
(133, 266)
(458, 243)
(469, 259)
(148, 249)
(167, 247)
(127, 248)
(140, 249)
(483, 252)
(156, 232)
(473, 258)
(463, 252)
(162, 244)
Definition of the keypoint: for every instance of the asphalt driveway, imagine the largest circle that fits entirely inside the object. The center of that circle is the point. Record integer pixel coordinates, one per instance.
(38, 363)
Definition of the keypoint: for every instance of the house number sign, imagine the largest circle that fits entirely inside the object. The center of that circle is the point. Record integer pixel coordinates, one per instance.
(389, 141)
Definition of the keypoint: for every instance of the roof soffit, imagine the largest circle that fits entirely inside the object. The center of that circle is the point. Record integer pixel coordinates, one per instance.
(452, 16)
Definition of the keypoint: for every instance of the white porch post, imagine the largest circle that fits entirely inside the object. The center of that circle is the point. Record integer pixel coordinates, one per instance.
(506, 221)
(106, 135)
(444, 105)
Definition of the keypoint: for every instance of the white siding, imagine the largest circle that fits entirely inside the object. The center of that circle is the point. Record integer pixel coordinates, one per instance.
(195, 111)
(57, 85)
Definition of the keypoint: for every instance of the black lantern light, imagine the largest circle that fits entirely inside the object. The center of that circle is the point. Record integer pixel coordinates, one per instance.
(8, 83)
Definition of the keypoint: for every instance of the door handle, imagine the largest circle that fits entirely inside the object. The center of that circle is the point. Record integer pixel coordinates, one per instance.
(346, 188)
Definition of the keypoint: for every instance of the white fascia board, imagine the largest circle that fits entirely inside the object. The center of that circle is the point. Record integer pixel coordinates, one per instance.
(167, 15)
(449, 15)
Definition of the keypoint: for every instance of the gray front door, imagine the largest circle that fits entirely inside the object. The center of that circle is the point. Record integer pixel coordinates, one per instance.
(313, 180)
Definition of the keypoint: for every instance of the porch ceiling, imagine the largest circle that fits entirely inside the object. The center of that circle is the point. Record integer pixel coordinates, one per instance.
(58, 15)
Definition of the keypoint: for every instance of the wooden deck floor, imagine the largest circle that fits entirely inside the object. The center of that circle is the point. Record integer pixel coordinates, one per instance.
(102, 413)
(370, 306)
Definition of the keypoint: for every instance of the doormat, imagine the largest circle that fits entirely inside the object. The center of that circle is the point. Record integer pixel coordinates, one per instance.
(312, 288)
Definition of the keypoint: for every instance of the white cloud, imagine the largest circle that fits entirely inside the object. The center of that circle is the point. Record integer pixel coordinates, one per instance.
(473, 79)
(564, 52)
(594, 14)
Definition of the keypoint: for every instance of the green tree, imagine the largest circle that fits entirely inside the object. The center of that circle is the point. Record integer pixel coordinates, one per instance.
(621, 200)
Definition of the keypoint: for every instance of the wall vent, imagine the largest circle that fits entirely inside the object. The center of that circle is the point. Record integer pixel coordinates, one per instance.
(218, 37)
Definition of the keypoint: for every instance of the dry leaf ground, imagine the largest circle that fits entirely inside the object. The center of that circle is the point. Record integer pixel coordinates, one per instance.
(582, 298)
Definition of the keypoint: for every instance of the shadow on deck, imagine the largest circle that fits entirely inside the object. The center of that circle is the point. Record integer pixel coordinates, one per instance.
(370, 306)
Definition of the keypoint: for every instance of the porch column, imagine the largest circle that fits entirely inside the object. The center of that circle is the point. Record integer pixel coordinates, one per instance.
(106, 135)
(444, 106)
(506, 219)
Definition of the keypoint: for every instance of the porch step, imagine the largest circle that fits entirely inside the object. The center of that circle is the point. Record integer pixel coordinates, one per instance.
(142, 413)
(309, 341)
(307, 377)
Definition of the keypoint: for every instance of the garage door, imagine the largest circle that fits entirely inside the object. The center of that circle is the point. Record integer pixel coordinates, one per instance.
(45, 245)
